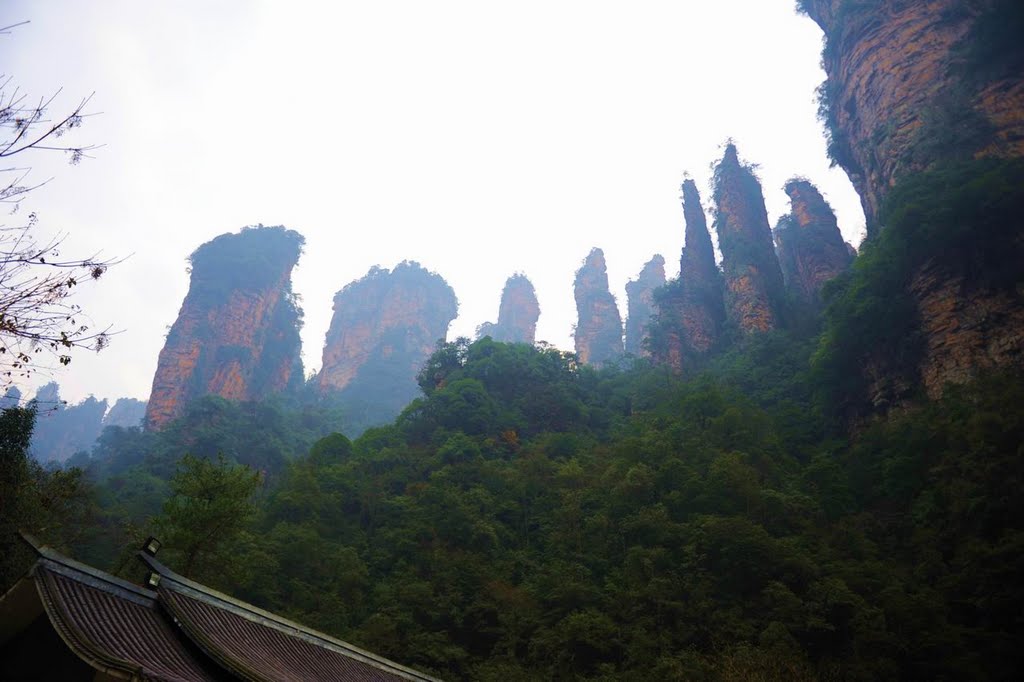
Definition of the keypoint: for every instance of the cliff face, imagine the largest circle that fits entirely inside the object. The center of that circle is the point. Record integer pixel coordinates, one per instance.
(810, 247)
(517, 314)
(914, 81)
(966, 326)
(691, 309)
(237, 334)
(917, 87)
(753, 280)
(599, 325)
(384, 328)
(640, 304)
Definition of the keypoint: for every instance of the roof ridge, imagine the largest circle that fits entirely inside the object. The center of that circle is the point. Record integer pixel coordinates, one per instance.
(65, 565)
(270, 619)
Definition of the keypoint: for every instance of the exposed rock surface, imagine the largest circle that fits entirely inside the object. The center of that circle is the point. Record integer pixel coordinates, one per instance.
(966, 326)
(691, 309)
(754, 291)
(906, 86)
(237, 334)
(914, 84)
(517, 314)
(384, 328)
(640, 304)
(126, 413)
(810, 247)
(62, 430)
(599, 325)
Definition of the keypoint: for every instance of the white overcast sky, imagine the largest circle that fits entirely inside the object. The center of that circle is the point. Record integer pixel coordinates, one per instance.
(478, 138)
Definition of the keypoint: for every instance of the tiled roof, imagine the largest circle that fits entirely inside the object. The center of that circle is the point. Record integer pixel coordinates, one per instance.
(113, 625)
(259, 645)
(185, 631)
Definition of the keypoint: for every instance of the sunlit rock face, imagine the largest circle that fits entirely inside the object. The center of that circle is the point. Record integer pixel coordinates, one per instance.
(517, 314)
(691, 309)
(810, 247)
(914, 81)
(640, 304)
(237, 334)
(754, 291)
(384, 328)
(599, 325)
(914, 86)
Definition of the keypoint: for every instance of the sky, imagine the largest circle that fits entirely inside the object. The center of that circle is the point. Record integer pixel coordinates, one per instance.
(477, 138)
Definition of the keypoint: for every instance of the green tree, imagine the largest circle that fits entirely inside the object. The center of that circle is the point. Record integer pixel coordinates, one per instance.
(51, 504)
(207, 514)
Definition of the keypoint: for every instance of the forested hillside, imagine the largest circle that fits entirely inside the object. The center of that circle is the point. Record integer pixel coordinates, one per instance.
(804, 462)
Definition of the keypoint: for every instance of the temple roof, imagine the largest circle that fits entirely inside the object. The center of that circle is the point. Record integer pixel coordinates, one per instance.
(182, 630)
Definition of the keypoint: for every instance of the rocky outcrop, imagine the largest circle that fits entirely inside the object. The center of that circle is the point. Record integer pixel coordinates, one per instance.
(691, 309)
(640, 304)
(966, 326)
(517, 314)
(62, 430)
(754, 291)
(237, 334)
(599, 326)
(926, 86)
(384, 328)
(912, 82)
(126, 413)
(810, 247)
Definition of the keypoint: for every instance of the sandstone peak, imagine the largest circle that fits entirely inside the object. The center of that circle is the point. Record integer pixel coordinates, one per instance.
(690, 309)
(810, 247)
(754, 298)
(640, 303)
(517, 314)
(237, 333)
(599, 327)
(385, 326)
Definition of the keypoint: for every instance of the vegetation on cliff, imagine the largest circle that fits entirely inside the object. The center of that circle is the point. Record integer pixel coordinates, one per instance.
(957, 217)
(385, 326)
(530, 517)
(690, 315)
(640, 305)
(237, 334)
(755, 298)
(598, 332)
(765, 515)
(517, 314)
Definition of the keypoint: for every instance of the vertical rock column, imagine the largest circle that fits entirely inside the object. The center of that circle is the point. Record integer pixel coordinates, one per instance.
(753, 280)
(599, 326)
(384, 328)
(690, 309)
(640, 304)
(810, 247)
(237, 334)
(517, 314)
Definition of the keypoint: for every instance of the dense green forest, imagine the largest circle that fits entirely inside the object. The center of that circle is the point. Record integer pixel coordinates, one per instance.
(531, 518)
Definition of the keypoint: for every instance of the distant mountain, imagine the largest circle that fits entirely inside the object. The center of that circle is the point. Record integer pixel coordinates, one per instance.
(62, 430)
